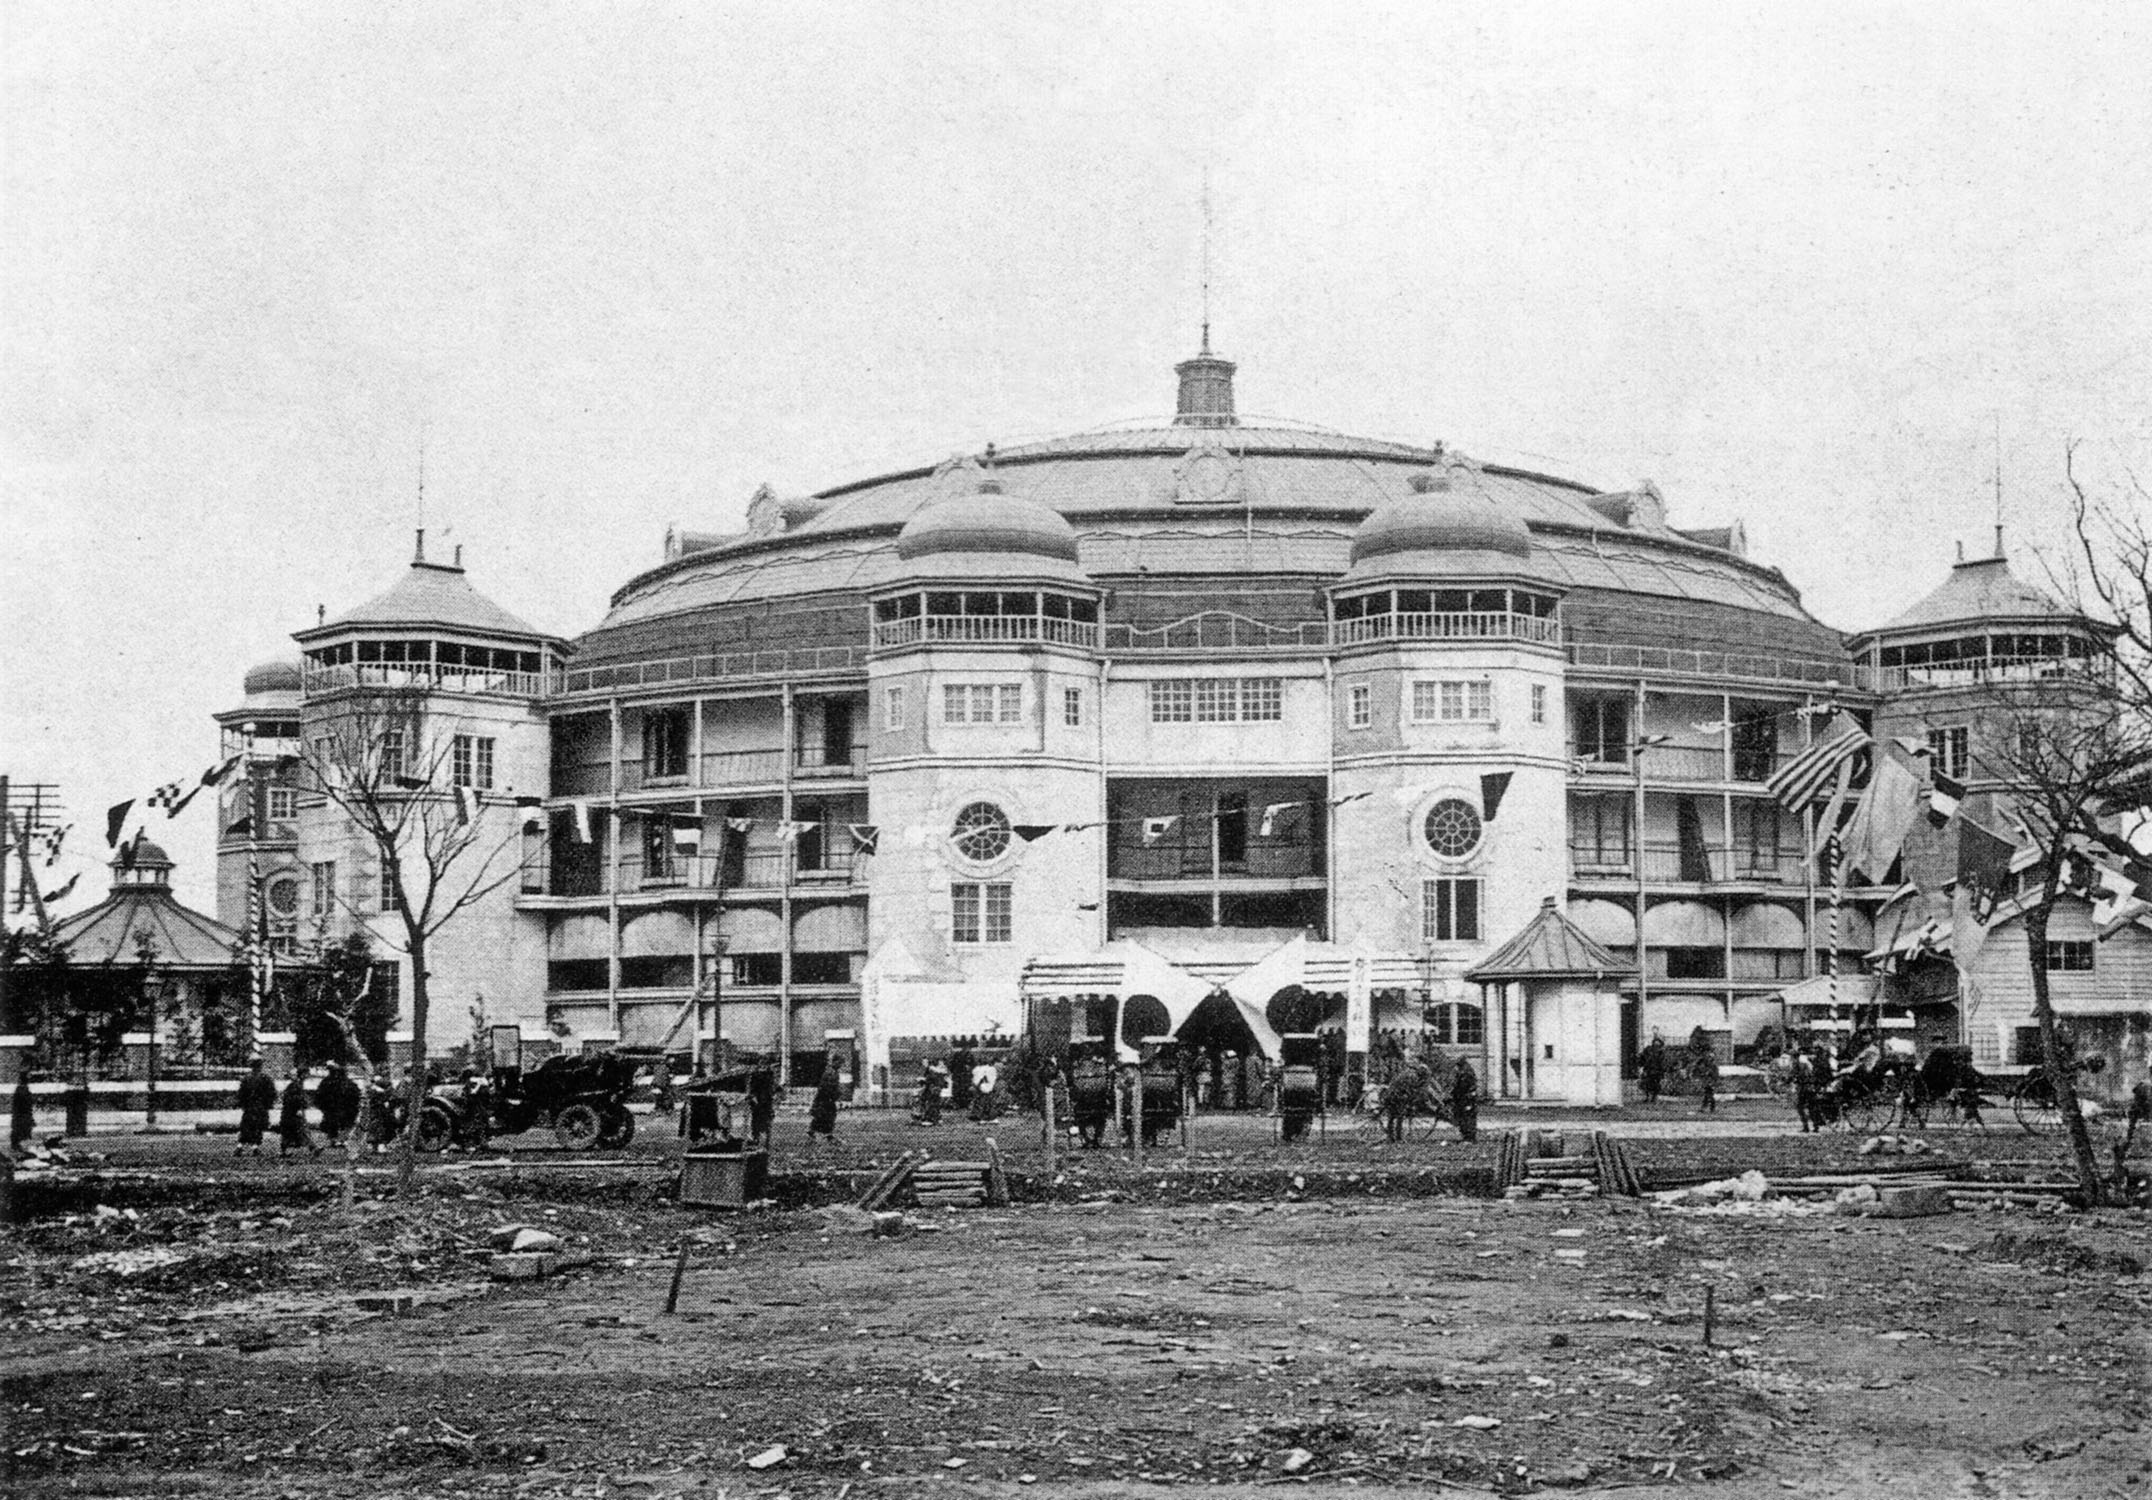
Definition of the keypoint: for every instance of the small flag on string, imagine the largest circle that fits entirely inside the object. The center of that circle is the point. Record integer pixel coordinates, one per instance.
(1493, 786)
(53, 837)
(740, 825)
(1031, 833)
(866, 838)
(172, 794)
(1944, 796)
(1155, 829)
(115, 820)
(466, 804)
(790, 829)
(241, 829)
(1271, 815)
(1912, 745)
(1712, 726)
(1580, 765)
(1652, 741)
(65, 886)
(1078, 827)
(1349, 797)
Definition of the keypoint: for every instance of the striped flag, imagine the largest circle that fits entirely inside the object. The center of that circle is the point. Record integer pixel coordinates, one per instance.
(1944, 795)
(1802, 781)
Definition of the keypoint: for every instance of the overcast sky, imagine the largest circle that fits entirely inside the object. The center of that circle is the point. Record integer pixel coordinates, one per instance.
(613, 266)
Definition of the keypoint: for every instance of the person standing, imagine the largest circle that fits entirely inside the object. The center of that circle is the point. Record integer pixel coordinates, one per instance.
(292, 1134)
(961, 1063)
(822, 1114)
(1804, 1090)
(337, 1096)
(22, 1116)
(257, 1100)
(1464, 1100)
(1651, 1068)
(1704, 1066)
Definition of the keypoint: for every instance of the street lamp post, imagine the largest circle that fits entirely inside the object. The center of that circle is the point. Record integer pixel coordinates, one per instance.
(719, 946)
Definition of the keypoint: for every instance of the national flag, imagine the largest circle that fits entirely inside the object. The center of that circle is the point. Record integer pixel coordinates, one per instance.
(65, 886)
(130, 851)
(1983, 867)
(686, 834)
(1271, 815)
(866, 838)
(1493, 786)
(1944, 798)
(1800, 782)
(1886, 812)
(466, 804)
(1031, 833)
(115, 820)
(216, 774)
(1155, 829)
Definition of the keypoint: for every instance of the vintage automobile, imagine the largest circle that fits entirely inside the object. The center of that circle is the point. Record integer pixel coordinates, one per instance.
(582, 1099)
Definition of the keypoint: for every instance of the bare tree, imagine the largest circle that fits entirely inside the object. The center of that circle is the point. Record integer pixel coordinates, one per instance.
(2065, 757)
(385, 759)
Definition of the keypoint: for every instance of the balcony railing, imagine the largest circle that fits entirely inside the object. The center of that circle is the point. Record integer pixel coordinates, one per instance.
(1263, 861)
(1538, 630)
(986, 630)
(793, 661)
(1988, 671)
(420, 677)
(757, 870)
(816, 759)
(1676, 864)
(1217, 630)
(1666, 661)
(1677, 763)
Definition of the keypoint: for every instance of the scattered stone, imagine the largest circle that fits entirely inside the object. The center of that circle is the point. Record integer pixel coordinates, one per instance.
(768, 1458)
(523, 1266)
(1297, 1459)
(395, 1304)
(533, 1240)
(1910, 1203)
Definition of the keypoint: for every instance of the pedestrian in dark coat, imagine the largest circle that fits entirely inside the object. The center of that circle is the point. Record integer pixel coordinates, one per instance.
(1651, 1069)
(1704, 1067)
(292, 1134)
(257, 1101)
(822, 1114)
(337, 1096)
(761, 1102)
(22, 1116)
(961, 1063)
(1464, 1099)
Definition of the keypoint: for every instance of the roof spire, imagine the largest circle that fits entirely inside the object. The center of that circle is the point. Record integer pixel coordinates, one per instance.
(1206, 258)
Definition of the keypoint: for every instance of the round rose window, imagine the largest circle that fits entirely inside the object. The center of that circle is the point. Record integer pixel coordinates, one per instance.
(1453, 828)
(981, 833)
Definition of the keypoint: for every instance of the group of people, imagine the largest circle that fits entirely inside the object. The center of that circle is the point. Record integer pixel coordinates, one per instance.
(1415, 1087)
(336, 1096)
(962, 1082)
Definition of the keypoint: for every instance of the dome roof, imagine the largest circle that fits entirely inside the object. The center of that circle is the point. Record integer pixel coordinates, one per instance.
(278, 676)
(1438, 518)
(988, 531)
(147, 854)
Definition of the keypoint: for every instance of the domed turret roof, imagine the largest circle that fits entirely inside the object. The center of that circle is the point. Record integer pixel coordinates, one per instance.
(146, 856)
(431, 594)
(278, 676)
(1442, 531)
(988, 532)
(1436, 517)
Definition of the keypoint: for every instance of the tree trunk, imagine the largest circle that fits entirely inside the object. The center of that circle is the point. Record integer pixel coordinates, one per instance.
(2060, 1077)
(407, 1158)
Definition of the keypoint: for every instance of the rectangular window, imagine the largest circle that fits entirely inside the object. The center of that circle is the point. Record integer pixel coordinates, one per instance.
(324, 903)
(980, 913)
(1450, 910)
(757, 970)
(283, 804)
(392, 755)
(1599, 833)
(2069, 957)
(1359, 706)
(470, 761)
(1949, 748)
(1217, 700)
(1453, 702)
(665, 734)
(893, 708)
(982, 703)
(1072, 707)
(1601, 730)
(1539, 703)
(388, 887)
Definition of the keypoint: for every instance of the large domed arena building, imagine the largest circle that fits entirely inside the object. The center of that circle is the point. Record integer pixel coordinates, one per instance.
(1262, 725)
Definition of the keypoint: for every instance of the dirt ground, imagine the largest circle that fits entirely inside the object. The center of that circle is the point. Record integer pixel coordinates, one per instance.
(1123, 1338)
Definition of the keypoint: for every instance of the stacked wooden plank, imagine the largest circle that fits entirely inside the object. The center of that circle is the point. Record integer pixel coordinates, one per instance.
(936, 1183)
(1617, 1174)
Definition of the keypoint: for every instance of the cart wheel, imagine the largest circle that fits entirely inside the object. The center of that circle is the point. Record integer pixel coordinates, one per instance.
(619, 1128)
(1865, 1112)
(578, 1127)
(2033, 1102)
(436, 1128)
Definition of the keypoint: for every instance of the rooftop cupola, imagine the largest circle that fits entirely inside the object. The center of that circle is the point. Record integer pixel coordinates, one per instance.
(1206, 398)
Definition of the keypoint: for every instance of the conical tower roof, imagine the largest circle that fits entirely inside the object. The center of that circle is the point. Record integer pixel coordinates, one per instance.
(142, 904)
(1980, 592)
(435, 595)
(1550, 947)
